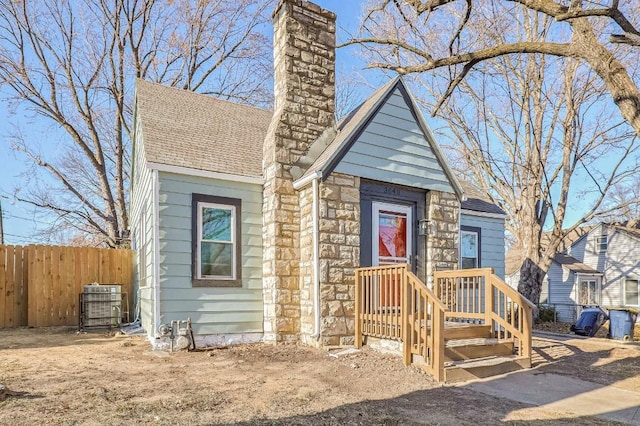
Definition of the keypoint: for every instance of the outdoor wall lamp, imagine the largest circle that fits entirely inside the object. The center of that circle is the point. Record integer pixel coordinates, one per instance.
(423, 227)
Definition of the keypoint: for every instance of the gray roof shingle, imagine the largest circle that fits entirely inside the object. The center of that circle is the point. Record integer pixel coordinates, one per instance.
(186, 129)
(573, 264)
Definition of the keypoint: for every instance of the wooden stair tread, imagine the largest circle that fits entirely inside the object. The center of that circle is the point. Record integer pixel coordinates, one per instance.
(476, 341)
(481, 362)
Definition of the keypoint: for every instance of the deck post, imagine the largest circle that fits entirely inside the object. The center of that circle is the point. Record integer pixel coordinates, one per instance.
(437, 331)
(358, 320)
(527, 313)
(488, 298)
(404, 312)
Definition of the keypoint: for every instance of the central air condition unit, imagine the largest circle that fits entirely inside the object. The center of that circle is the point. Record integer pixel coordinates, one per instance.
(102, 305)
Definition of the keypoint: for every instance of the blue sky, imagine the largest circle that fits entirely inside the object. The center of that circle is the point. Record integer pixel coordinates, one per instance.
(21, 223)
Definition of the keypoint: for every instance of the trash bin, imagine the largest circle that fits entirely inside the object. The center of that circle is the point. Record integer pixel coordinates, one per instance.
(590, 321)
(622, 323)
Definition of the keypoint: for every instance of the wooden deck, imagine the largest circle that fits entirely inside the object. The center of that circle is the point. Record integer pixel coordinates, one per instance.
(470, 317)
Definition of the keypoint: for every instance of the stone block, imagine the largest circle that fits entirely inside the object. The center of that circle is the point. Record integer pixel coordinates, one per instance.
(327, 292)
(350, 195)
(332, 326)
(329, 192)
(347, 341)
(336, 276)
(335, 308)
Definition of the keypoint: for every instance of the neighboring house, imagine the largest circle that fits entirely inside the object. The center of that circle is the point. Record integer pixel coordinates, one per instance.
(600, 267)
(252, 222)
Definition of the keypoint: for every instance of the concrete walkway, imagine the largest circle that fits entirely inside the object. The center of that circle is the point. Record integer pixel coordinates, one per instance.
(566, 396)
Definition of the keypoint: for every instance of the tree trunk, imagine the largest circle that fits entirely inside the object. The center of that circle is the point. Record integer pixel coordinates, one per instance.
(531, 277)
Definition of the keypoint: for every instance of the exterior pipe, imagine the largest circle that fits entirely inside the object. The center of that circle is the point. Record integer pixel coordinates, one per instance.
(316, 260)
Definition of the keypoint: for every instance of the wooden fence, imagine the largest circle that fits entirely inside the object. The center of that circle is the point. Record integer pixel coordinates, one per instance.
(39, 285)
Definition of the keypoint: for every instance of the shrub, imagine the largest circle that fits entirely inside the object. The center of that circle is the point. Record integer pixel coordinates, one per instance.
(546, 313)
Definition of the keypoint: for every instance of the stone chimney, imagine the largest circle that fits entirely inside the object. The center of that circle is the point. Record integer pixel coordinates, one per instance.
(304, 62)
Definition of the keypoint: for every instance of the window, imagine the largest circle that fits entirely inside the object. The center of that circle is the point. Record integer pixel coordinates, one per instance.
(216, 241)
(469, 247)
(630, 292)
(588, 292)
(601, 243)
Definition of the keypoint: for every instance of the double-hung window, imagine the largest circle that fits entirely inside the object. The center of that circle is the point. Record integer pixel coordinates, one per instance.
(602, 243)
(469, 247)
(216, 241)
(631, 292)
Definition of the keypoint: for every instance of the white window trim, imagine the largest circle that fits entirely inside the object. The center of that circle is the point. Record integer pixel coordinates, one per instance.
(477, 236)
(600, 243)
(624, 290)
(377, 207)
(201, 206)
(598, 289)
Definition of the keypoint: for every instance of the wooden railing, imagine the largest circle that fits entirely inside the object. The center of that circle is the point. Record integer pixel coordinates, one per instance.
(392, 303)
(478, 296)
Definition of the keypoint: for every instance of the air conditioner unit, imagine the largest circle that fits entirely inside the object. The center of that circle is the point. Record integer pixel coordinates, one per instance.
(101, 305)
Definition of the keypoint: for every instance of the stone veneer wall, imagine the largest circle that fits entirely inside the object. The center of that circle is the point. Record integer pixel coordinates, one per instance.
(339, 238)
(304, 61)
(442, 241)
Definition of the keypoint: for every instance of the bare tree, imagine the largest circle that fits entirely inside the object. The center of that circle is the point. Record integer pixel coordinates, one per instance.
(455, 43)
(532, 131)
(73, 64)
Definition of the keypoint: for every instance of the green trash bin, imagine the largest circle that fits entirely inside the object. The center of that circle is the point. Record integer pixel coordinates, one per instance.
(621, 323)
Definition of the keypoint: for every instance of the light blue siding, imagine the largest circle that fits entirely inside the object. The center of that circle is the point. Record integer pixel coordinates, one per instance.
(492, 240)
(213, 310)
(562, 292)
(393, 148)
(142, 220)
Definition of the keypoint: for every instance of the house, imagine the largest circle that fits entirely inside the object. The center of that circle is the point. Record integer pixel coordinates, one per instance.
(251, 223)
(599, 266)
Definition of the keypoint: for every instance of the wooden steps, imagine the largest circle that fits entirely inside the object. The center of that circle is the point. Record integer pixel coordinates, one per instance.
(454, 331)
(470, 353)
(458, 371)
(465, 349)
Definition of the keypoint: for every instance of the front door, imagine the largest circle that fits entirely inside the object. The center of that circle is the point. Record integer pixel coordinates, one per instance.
(391, 245)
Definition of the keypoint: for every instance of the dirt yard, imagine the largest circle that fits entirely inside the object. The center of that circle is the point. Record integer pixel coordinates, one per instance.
(59, 377)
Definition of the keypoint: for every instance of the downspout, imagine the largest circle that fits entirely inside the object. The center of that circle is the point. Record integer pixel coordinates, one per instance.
(156, 253)
(316, 259)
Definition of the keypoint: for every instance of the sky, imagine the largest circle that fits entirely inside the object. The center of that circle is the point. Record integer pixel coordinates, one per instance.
(21, 223)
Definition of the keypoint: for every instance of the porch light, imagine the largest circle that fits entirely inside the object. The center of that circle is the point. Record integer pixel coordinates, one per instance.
(423, 227)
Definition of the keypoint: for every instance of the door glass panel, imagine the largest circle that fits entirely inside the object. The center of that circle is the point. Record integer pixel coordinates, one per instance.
(588, 294)
(392, 237)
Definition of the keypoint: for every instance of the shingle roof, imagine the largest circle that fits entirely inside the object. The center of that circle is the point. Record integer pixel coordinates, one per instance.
(573, 264)
(180, 128)
(515, 255)
(477, 200)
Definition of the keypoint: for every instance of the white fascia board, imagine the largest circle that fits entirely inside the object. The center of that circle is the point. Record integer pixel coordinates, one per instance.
(188, 171)
(483, 214)
(306, 180)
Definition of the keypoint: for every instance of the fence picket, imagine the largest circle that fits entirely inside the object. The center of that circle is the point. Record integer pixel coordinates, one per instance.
(19, 274)
(10, 287)
(39, 285)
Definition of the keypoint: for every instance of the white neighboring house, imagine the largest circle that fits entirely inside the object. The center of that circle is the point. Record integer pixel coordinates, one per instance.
(602, 267)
